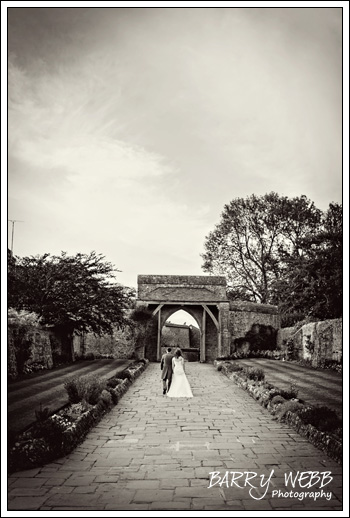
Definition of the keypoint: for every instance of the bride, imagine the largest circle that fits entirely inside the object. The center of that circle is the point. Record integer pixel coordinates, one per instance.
(180, 386)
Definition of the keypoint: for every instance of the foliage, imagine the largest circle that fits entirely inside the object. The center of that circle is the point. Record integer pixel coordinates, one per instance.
(254, 373)
(238, 355)
(292, 351)
(42, 414)
(85, 388)
(277, 400)
(322, 417)
(253, 237)
(288, 406)
(58, 434)
(22, 323)
(312, 281)
(291, 393)
(70, 292)
(277, 250)
(126, 374)
(106, 398)
(233, 367)
(260, 338)
(113, 382)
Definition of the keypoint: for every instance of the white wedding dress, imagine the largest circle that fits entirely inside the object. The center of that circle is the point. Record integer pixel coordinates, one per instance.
(180, 386)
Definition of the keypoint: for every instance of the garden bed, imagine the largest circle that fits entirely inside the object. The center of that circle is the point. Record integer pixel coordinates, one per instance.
(56, 435)
(320, 425)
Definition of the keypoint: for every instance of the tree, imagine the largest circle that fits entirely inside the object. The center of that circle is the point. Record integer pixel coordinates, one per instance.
(312, 282)
(70, 293)
(21, 324)
(255, 237)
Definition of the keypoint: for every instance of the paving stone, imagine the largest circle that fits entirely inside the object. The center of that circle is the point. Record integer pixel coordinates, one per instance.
(30, 473)
(142, 484)
(28, 491)
(60, 489)
(80, 480)
(156, 495)
(117, 497)
(26, 503)
(28, 482)
(153, 453)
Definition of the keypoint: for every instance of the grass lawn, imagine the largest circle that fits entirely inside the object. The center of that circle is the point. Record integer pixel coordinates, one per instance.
(317, 387)
(47, 389)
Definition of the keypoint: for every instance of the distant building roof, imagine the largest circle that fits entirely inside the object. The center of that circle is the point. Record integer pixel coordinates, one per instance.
(169, 324)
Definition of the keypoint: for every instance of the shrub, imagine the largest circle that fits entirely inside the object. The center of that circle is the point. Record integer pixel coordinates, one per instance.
(89, 356)
(254, 373)
(114, 394)
(124, 375)
(113, 382)
(322, 418)
(277, 400)
(106, 398)
(291, 393)
(42, 414)
(86, 388)
(233, 367)
(288, 406)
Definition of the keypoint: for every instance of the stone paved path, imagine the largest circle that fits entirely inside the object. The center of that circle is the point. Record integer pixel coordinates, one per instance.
(155, 453)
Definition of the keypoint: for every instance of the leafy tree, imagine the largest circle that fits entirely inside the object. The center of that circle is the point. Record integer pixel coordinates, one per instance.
(21, 323)
(70, 293)
(255, 237)
(312, 282)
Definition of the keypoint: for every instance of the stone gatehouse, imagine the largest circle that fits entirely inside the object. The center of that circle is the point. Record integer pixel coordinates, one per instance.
(221, 322)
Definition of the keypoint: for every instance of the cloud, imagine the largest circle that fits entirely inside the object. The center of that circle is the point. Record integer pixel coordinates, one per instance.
(131, 128)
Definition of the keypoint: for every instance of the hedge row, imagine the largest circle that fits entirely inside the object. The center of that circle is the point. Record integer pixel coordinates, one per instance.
(58, 435)
(268, 396)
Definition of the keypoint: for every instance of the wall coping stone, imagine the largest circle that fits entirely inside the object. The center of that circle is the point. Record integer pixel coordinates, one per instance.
(193, 280)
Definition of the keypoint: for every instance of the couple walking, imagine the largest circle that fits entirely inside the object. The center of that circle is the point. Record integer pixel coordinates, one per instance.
(175, 383)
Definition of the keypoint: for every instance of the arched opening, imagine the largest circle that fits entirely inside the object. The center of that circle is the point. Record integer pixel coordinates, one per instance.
(182, 330)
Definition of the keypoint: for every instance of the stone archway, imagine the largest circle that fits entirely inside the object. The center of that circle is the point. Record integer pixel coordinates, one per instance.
(203, 297)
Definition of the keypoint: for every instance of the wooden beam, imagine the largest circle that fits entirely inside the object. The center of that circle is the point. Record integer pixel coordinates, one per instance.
(202, 350)
(181, 302)
(158, 308)
(212, 316)
(159, 335)
(219, 335)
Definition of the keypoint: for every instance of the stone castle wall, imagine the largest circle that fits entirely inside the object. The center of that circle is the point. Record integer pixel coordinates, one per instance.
(245, 315)
(315, 341)
(176, 336)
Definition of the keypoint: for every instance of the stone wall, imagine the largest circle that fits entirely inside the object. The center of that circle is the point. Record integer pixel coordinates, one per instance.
(245, 315)
(195, 337)
(314, 341)
(40, 350)
(175, 336)
(119, 345)
(211, 341)
(189, 288)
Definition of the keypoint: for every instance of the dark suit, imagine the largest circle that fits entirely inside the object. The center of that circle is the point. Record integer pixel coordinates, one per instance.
(167, 368)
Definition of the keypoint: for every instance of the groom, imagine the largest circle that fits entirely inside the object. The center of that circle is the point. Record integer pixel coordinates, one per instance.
(167, 369)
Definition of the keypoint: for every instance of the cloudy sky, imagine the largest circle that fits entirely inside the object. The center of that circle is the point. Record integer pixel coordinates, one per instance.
(130, 128)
